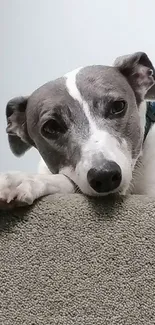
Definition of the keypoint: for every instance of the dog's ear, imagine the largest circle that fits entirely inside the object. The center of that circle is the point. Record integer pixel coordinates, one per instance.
(139, 71)
(18, 137)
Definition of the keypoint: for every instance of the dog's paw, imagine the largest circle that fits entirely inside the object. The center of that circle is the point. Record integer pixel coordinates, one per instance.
(16, 189)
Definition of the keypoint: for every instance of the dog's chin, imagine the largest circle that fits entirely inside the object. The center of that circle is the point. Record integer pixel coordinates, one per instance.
(120, 191)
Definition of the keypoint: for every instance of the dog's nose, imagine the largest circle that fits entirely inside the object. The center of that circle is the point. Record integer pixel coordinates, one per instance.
(105, 180)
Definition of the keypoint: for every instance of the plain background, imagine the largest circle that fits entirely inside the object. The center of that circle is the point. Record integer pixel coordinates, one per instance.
(43, 39)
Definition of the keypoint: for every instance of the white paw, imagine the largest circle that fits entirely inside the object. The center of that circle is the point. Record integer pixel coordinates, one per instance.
(17, 188)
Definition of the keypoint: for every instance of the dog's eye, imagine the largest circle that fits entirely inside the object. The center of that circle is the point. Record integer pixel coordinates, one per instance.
(118, 107)
(52, 128)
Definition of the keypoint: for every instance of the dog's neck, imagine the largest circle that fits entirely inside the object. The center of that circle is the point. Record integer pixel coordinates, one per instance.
(142, 114)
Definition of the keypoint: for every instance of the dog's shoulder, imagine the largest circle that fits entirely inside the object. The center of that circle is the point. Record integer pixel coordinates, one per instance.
(144, 175)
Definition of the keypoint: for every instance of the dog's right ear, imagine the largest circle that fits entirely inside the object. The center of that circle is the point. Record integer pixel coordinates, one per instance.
(18, 137)
(140, 73)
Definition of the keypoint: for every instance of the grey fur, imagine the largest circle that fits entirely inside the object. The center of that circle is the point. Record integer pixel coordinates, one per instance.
(52, 98)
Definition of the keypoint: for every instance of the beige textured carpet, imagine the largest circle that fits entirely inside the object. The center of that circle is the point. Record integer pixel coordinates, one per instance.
(73, 260)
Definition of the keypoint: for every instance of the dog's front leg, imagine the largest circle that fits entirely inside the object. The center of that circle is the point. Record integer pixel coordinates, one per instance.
(18, 188)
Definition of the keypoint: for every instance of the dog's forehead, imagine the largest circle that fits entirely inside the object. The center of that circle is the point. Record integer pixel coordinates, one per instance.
(99, 81)
(91, 81)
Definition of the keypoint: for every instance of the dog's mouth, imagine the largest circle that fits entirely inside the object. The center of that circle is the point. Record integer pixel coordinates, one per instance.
(108, 179)
(119, 192)
(116, 194)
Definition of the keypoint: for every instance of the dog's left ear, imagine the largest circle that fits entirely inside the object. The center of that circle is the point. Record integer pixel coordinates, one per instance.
(18, 137)
(139, 71)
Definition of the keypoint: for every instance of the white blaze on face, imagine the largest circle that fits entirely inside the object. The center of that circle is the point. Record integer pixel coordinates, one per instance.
(75, 93)
(99, 142)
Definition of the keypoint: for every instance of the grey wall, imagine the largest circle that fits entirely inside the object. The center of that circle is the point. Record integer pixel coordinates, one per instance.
(42, 39)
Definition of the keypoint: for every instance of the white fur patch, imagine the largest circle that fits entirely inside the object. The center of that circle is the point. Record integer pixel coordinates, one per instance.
(144, 175)
(75, 93)
(71, 85)
(42, 168)
(142, 114)
(24, 188)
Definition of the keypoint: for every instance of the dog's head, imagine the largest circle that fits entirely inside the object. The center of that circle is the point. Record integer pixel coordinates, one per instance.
(87, 124)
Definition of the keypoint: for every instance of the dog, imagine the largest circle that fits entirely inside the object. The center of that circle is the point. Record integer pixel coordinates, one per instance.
(89, 128)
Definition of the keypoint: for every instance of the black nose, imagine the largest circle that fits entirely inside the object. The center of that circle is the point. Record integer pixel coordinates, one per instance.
(106, 179)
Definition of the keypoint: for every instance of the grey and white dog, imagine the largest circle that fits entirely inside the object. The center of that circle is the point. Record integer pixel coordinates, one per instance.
(88, 126)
